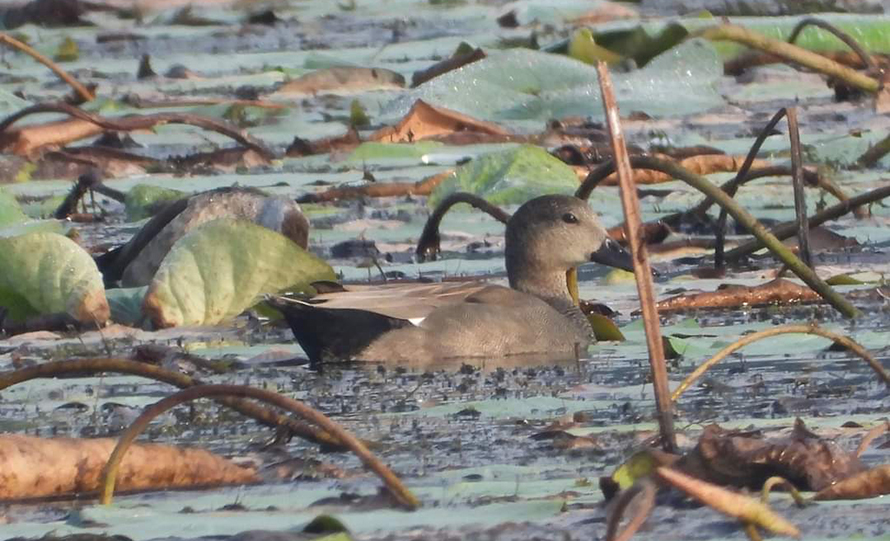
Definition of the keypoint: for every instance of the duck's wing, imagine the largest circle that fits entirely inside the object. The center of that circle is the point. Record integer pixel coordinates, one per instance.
(330, 335)
(402, 301)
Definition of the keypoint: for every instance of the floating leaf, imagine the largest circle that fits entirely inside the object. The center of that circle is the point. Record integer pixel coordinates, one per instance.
(604, 328)
(510, 177)
(342, 79)
(377, 151)
(639, 465)
(638, 44)
(357, 115)
(843, 280)
(140, 258)
(46, 273)
(10, 210)
(424, 121)
(221, 268)
(126, 304)
(144, 200)
(68, 51)
(523, 85)
(583, 47)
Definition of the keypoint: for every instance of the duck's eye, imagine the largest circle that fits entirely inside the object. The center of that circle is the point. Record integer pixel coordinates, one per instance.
(569, 218)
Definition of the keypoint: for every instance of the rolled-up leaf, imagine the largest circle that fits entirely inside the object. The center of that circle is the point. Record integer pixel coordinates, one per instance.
(46, 273)
(221, 268)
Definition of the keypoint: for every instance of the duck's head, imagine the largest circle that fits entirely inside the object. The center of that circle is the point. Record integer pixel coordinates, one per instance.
(554, 233)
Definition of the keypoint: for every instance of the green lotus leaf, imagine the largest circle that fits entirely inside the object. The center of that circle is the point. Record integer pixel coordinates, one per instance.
(510, 177)
(46, 273)
(144, 200)
(10, 211)
(221, 268)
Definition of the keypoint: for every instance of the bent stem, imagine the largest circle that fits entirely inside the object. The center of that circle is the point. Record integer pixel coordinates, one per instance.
(792, 53)
(428, 244)
(784, 483)
(787, 229)
(788, 329)
(260, 414)
(757, 229)
(642, 271)
(109, 473)
(83, 91)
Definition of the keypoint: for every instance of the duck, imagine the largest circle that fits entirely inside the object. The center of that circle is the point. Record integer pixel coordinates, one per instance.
(546, 237)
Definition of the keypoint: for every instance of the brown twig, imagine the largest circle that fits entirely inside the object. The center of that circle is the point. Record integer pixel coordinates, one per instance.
(800, 201)
(788, 329)
(787, 229)
(142, 122)
(449, 64)
(126, 366)
(757, 229)
(864, 57)
(83, 91)
(732, 186)
(642, 269)
(874, 154)
(393, 483)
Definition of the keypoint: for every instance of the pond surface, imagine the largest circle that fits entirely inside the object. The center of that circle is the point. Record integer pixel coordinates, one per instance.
(460, 436)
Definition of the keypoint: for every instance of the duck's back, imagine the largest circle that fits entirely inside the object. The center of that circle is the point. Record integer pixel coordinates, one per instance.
(493, 322)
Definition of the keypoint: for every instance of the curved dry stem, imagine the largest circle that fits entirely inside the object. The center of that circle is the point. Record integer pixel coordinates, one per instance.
(428, 244)
(792, 53)
(83, 91)
(750, 223)
(787, 229)
(839, 34)
(142, 122)
(646, 491)
(732, 186)
(109, 473)
(776, 481)
(788, 329)
(135, 368)
(870, 437)
(875, 153)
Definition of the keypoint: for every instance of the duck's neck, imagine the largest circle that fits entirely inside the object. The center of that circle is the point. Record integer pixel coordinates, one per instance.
(549, 286)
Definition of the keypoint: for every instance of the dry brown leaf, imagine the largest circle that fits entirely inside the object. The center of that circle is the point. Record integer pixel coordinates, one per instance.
(778, 291)
(36, 467)
(746, 509)
(26, 140)
(867, 484)
(745, 460)
(704, 164)
(341, 79)
(425, 121)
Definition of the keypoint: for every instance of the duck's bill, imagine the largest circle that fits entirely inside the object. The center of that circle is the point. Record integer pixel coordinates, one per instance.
(614, 255)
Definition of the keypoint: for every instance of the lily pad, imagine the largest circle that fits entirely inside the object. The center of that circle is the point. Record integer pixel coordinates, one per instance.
(10, 210)
(221, 268)
(144, 200)
(149, 247)
(510, 177)
(522, 84)
(126, 304)
(46, 273)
